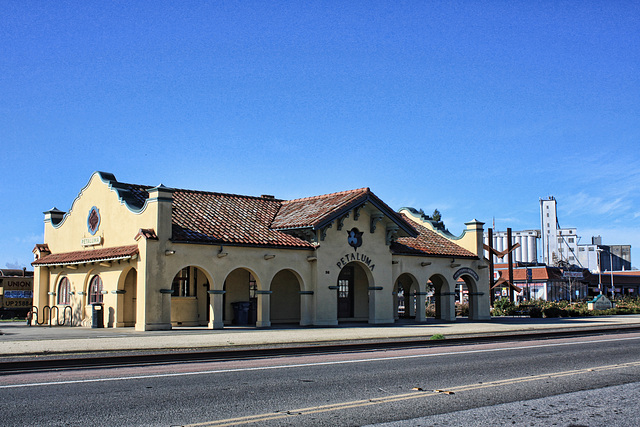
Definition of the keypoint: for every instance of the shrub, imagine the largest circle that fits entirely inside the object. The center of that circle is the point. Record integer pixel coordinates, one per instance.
(431, 310)
(504, 307)
(551, 311)
(535, 311)
(462, 309)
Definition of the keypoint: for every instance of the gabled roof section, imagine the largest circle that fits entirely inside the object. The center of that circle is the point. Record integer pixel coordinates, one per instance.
(308, 212)
(42, 247)
(429, 242)
(147, 233)
(203, 217)
(316, 212)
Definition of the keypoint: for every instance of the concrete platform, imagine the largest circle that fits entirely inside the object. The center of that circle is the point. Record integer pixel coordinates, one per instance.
(18, 339)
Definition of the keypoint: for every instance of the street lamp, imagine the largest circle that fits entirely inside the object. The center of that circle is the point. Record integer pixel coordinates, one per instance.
(599, 271)
(613, 294)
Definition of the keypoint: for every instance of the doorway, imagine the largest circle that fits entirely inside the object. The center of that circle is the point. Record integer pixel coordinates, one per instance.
(346, 286)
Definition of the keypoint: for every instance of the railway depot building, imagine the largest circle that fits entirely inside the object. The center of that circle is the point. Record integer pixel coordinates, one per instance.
(157, 257)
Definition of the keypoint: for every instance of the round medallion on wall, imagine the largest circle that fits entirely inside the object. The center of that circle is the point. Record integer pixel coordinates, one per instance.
(93, 220)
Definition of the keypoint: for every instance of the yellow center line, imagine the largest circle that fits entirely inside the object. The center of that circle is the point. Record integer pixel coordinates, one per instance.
(405, 396)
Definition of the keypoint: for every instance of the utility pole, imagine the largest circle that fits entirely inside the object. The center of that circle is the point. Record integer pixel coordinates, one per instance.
(491, 267)
(510, 260)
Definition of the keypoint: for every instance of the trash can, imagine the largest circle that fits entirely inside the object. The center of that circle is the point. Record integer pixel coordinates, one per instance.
(241, 312)
(97, 316)
(253, 311)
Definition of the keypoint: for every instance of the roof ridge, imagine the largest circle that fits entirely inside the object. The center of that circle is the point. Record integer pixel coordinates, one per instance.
(186, 190)
(217, 193)
(338, 193)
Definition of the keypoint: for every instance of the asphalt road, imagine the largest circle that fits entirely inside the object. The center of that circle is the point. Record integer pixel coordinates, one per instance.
(539, 382)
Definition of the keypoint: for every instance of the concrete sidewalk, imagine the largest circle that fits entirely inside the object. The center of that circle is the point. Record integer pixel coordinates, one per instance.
(18, 339)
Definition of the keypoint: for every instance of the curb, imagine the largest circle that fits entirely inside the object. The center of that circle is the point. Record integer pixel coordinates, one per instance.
(115, 357)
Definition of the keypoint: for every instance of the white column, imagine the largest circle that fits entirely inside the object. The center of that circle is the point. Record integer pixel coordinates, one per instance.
(264, 309)
(421, 314)
(531, 248)
(215, 309)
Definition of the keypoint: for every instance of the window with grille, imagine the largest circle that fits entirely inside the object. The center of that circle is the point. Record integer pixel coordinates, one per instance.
(64, 292)
(95, 290)
(181, 284)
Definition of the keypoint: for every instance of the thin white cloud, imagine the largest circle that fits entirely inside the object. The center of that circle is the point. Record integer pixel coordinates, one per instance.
(582, 203)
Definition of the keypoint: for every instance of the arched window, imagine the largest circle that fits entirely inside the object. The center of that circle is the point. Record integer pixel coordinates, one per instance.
(64, 292)
(95, 290)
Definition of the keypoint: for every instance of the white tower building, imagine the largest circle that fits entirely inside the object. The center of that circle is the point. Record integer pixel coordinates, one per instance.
(549, 228)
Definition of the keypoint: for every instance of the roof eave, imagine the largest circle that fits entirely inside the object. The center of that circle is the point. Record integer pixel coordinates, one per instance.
(87, 261)
(246, 245)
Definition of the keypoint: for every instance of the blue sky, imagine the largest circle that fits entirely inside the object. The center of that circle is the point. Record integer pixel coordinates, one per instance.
(475, 108)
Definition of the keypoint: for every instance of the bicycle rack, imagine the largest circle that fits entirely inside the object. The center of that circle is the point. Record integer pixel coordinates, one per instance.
(44, 312)
(51, 314)
(54, 312)
(64, 316)
(34, 314)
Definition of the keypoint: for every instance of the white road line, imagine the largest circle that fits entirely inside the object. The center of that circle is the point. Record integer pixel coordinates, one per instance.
(304, 365)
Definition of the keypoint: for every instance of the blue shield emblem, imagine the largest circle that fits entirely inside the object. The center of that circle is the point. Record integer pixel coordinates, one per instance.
(354, 238)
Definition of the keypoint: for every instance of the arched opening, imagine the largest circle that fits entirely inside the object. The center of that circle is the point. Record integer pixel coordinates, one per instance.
(189, 297)
(471, 296)
(405, 290)
(462, 298)
(353, 293)
(443, 298)
(240, 298)
(129, 298)
(285, 298)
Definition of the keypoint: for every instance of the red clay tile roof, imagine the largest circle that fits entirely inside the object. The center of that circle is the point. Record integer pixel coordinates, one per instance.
(203, 217)
(428, 243)
(218, 218)
(317, 212)
(105, 254)
(309, 211)
(537, 274)
(147, 233)
(42, 247)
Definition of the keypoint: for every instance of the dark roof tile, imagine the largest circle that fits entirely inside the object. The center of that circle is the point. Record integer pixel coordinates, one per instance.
(203, 217)
(428, 242)
(309, 211)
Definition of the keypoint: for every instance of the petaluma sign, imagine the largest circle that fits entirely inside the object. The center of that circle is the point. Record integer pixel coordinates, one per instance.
(354, 238)
(356, 257)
